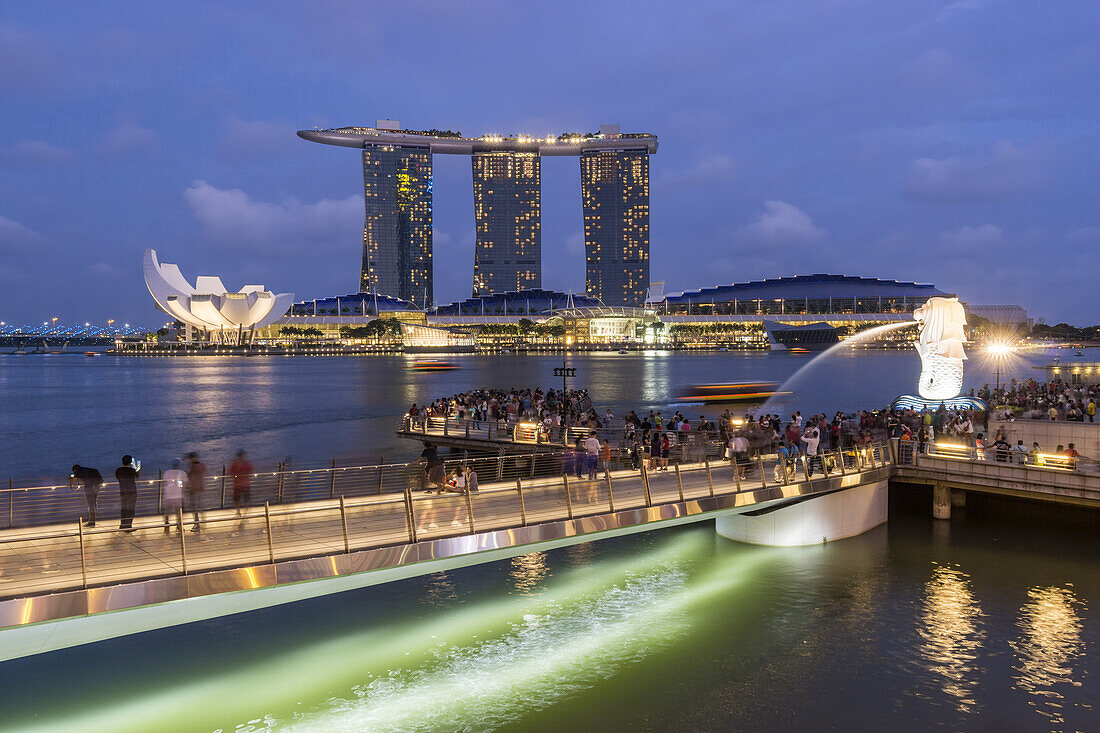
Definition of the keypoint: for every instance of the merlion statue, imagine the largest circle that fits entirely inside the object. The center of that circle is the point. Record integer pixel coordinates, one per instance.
(941, 348)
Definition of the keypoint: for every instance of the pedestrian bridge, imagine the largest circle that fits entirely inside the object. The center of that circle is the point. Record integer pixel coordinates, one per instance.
(57, 581)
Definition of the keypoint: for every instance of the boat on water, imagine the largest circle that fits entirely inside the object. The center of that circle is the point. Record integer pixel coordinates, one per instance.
(742, 392)
(433, 365)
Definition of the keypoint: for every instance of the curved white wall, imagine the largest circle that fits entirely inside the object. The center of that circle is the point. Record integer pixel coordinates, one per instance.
(828, 517)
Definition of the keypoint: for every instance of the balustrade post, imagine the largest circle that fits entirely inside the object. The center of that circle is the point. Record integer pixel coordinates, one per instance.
(710, 478)
(840, 459)
(467, 428)
(736, 471)
(679, 481)
(445, 421)
(500, 465)
(223, 487)
(160, 492)
(806, 466)
(83, 560)
(332, 480)
(344, 524)
(610, 496)
(469, 508)
(760, 465)
(183, 541)
(871, 451)
(522, 508)
(893, 451)
(568, 499)
(381, 471)
(279, 483)
(645, 487)
(270, 542)
(11, 502)
(409, 518)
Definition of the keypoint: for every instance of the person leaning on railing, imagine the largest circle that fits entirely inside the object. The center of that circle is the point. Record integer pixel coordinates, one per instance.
(92, 480)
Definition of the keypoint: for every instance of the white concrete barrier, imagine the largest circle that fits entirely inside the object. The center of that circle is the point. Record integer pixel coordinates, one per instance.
(818, 519)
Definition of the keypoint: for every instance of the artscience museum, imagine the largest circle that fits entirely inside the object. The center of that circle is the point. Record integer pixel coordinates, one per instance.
(207, 306)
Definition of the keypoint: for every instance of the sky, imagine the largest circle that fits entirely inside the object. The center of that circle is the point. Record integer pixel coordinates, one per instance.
(952, 141)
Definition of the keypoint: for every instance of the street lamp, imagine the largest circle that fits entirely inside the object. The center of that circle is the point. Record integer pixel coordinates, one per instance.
(999, 352)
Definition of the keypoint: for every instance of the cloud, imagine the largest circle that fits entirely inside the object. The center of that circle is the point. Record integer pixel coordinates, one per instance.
(128, 137)
(712, 168)
(14, 237)
(1008, 170)
(37, 151)
(971, 237)
(1083, 235)
(233, 218)
(103, 270)
(782, 223)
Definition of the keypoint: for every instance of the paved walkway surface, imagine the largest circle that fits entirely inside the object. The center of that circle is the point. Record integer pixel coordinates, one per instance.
(46, 559)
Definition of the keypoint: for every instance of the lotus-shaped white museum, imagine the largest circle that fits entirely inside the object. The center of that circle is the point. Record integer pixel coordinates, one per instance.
(208, 306)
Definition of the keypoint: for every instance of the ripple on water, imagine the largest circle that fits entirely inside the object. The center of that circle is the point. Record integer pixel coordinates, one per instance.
(951, 630)
(543, 658)
(1048, 649)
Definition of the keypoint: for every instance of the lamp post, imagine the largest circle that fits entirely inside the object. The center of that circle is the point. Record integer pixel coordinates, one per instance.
(999, 352)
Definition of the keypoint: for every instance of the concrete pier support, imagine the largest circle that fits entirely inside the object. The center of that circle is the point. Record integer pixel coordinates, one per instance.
(817, 519)
(941, 502)
(958, 498)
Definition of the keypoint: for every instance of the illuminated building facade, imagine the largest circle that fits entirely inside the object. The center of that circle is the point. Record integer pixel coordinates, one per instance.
(508, 221)
(397, 228)
(507, 171)
(615, 195)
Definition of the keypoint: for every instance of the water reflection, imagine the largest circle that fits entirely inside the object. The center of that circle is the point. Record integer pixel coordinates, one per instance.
(1048, 648)
(440, 590)
(527, 572)
(951, 629)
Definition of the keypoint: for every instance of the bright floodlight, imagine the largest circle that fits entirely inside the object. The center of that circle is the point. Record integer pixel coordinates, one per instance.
(207, 305)
(941, 348)
(999, 349)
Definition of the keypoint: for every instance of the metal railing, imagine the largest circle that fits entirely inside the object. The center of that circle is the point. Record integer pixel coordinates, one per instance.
(24, 506)
(909, 453)
(515, 491)
(530, 432)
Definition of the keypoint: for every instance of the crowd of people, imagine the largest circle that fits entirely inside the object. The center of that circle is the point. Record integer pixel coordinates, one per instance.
(182, 489)
(551, 408)
(1043, 400)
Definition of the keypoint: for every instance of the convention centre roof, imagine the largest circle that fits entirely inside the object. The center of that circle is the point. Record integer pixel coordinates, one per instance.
(352, 304)
(808, 286)
(517, 303)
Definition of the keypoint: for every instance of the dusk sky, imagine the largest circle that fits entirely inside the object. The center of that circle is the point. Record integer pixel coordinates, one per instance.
(945, 142)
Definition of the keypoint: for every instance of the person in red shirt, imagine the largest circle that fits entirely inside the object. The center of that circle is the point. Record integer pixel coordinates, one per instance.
(241, 471)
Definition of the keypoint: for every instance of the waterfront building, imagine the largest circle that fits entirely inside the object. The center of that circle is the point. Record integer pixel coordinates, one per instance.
(535, 302)
(397, 226)
(800, 296)
(1004, 316)
(508, 221)
(615, 196)
(1075, 370)
(397, 189)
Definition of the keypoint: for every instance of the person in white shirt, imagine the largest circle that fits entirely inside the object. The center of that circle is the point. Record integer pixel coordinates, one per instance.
(175, 481)
(592, 454)
(811, 439)
(741, 453)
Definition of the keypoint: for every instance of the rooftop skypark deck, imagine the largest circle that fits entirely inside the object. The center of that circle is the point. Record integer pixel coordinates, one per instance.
(453, 143)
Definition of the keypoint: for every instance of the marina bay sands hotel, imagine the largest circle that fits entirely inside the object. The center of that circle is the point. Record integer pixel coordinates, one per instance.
(397, 195)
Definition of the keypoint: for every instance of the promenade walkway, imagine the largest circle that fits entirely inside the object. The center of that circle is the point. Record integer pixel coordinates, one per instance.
(50, 558)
